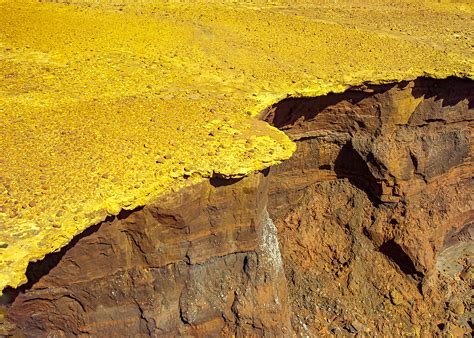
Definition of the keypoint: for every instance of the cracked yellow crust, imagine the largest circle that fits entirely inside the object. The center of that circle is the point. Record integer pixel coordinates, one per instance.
(106, 105)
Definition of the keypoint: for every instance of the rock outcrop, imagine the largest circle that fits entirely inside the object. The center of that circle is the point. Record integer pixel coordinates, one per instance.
(373, 216)
(380, 186)
(203, 261)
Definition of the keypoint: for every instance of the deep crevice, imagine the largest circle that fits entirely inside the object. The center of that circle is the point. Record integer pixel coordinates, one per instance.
(349, 164)
(222, 182)
(397, 255)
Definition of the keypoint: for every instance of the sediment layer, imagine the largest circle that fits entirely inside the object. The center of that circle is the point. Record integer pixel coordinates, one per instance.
(375, 209)
(108, 105)
(373, 218)
(202, 261)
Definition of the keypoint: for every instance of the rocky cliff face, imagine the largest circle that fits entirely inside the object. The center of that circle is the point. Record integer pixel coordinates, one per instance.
(367, 209)
(373, 217)
(204, 261)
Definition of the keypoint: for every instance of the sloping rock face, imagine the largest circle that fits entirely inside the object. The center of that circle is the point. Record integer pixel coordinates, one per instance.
(373, 215)
(202, 262)
(378, 190)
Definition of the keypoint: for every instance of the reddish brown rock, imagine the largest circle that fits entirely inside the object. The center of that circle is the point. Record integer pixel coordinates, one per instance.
(408, 144)
(203, 261)
(374, 214)
(380, 185)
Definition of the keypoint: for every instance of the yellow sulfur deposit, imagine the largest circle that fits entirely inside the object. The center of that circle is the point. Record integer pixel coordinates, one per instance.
(104, 105)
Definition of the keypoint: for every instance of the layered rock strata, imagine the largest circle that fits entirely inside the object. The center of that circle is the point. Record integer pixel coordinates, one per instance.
(373, 216)
(107, 105)
(203, 261)
(379, 188)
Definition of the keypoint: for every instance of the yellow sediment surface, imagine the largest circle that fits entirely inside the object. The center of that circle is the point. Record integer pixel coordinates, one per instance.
(105, 105)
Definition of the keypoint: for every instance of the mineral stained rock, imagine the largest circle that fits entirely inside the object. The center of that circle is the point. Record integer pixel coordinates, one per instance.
(375, 209)
(135, 192)
(373, 241)
(202, 261)
(106, 105)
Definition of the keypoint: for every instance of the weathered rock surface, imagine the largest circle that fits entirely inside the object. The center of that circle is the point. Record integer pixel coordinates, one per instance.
(204, 261)
(374, 215)
(379, 188)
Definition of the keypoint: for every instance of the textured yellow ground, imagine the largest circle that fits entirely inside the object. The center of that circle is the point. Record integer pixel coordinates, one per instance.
(104, 106)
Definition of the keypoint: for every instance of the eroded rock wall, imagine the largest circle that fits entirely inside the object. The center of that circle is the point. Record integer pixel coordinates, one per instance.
(373, 217)
(380, 185)
(204, 261)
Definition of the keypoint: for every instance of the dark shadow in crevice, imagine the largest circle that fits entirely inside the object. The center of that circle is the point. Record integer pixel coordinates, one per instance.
(397, 255)
(222, 182)
(451, 91)
(349, 164)
(288, 111)
(36, 270)
(123, 214)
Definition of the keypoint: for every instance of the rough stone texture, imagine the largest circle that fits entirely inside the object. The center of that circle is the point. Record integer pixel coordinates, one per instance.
(204, 261)
(379, 188)
(374, 214)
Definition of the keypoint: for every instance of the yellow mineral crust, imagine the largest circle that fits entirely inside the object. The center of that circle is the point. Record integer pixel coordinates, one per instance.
(104, 105)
